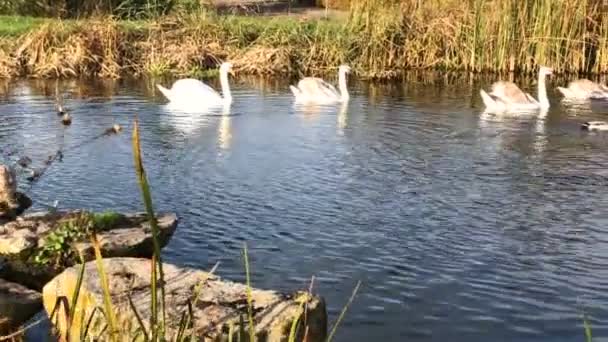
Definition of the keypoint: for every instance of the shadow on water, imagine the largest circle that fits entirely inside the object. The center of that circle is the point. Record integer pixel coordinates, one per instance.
(462, 225)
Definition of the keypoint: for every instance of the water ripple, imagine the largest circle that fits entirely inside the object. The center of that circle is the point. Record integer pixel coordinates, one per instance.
(461, 225)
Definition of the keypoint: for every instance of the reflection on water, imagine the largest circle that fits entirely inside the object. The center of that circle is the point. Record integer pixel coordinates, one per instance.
(462, 225)
(224, 133)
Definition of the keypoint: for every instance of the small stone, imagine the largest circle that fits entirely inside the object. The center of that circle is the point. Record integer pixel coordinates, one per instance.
(24, 161)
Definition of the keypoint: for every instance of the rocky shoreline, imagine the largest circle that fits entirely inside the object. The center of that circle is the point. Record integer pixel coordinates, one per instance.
(35, 257)
(20, 239)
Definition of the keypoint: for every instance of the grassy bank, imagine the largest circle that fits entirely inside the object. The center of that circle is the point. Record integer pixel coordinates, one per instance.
(379, 38)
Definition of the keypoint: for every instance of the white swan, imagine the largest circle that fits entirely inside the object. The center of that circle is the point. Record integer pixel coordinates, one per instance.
(315, 90)
(506, 96)
(192, 92)
(584, 90)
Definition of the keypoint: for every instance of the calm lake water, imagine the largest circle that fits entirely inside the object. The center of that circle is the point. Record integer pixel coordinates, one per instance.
(462, 226)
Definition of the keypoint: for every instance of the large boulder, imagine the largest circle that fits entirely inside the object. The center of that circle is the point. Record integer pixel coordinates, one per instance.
(12, 203)
(17, 305)
(24, 240)
(216, 305)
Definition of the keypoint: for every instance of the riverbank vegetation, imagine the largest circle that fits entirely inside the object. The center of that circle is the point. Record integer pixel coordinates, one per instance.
(378, 38)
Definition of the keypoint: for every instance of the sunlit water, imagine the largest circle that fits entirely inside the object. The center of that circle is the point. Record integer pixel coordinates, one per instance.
(462, 226)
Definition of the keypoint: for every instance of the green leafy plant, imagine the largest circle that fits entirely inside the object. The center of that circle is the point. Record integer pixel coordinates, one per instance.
(57, 247)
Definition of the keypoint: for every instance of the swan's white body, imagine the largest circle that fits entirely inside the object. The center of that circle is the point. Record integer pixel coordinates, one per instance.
(595, 126)
(191, 92)
(507, 97)
(315, 90)
(584, 90)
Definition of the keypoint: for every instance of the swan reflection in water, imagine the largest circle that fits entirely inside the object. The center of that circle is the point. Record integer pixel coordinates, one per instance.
(224, 136)
(342, 117)
(188, 118)
(540, 135)
(311, 111)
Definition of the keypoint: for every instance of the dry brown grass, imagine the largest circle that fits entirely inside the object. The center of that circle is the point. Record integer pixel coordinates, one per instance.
(8, 64)
(61, 50)
(260, 60)
(380, 39)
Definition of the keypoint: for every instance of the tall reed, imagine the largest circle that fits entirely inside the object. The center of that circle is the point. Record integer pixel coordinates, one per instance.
(157, 325)
(480, 35)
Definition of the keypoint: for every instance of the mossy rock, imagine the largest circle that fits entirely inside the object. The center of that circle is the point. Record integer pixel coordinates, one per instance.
(25, 239)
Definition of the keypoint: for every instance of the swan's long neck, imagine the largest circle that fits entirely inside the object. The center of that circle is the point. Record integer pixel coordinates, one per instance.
(225, 86)
(343, 88)
(542, 91)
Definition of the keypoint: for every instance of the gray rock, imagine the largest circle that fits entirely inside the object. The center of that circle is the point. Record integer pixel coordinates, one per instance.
(21, 238)
(8, 186)
(129, 241)
(12, 203)
(17, 305)
(18, 242)
(219, 303)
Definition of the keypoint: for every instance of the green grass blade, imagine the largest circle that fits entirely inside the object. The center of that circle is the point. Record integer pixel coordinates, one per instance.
(587, 326)
(85, 332)
(76, 293)
(242, 334)
(153, 301)
(107, 299)
(156, 258)
(249, 295)
(140, 322)
(195, 297)
(294, 325)
(82, 332)
(182, 326)
(58, 303)
(350, 300)
(230, 331)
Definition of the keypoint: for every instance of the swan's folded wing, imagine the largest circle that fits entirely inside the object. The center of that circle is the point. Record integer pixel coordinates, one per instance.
(316, 87)
(508, 92)
(490, 100)
(584, 88)
(308, 86)
(584, 85)
(194, 90)
(530, 98)
(598, 95)
(328, 89)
